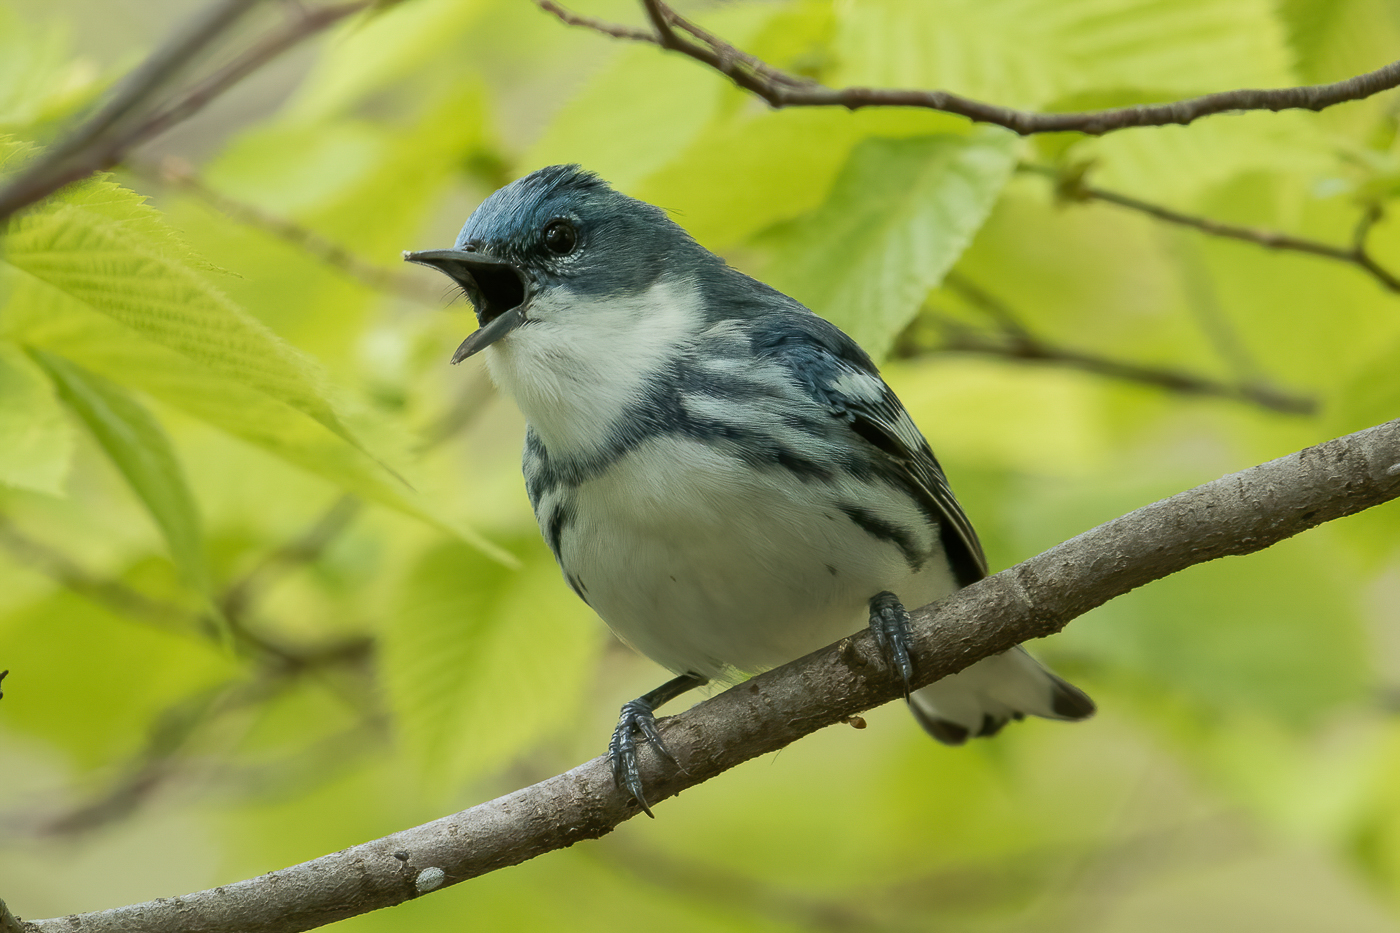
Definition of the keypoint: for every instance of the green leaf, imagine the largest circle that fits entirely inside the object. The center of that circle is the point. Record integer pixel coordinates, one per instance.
(648, 104)
(366, 187)
(40, 81)
(898, 217)
(467, 653)
(138, 447)
(48, 319)
(1176, 162)
(758, 168)
(35, 436)
(1275, 633)
(1026, 53)
(104, 247)
(377, 49)
(101, 280)
(92, 685)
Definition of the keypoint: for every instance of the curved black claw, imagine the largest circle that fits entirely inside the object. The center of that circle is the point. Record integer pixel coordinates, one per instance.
(637, 716)
(889, 621)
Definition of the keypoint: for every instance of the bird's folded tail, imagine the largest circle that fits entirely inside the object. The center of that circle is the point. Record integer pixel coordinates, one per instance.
(980, 700)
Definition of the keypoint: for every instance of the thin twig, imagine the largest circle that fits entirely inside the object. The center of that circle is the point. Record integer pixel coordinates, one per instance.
(155, 73)
(1238, 514)
(782, 89)
(597, 25)
(114, 595)
(130, 603)
(1013, 340)
(160, 761)
(180, 175)
(1070, 186)
(304, 24)
(108, 137)
(305, 549)
(998, 310)
(1170, 380)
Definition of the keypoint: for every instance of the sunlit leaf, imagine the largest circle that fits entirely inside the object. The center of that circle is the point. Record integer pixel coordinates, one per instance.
(481, 661)
(669, 100)
(102, 246)
(92, 684)
(378, 48)
(1269, 633)
(101, 280)
(40, 80)
(35, 436)
(758, 168)
(1025, 53)
(48, 319)
(138, 447)
(898, 217)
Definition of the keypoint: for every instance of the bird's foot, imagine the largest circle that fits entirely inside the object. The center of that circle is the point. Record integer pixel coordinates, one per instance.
(889, 621)
(637, 717)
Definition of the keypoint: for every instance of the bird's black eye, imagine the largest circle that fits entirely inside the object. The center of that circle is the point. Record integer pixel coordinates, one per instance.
(560, 237)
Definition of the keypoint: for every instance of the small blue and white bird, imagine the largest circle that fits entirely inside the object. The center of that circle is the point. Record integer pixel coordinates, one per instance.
(721, 474)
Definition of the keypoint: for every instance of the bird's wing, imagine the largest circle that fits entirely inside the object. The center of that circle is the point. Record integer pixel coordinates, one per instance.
(839, 374)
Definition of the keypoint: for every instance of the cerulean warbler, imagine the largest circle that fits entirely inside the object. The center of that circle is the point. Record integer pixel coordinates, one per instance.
(721, 474)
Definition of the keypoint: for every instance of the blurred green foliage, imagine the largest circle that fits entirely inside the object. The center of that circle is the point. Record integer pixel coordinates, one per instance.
(269, 584)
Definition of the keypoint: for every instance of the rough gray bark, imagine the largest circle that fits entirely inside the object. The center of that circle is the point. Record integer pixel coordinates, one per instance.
(1238, 514)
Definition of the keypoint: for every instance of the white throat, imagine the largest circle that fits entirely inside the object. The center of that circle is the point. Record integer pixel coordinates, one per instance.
(582, 362)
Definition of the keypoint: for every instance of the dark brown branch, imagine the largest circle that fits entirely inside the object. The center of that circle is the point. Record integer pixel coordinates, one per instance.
(781, 89)
(1013, 340)
(130, 120)
(1237, 514)
(1070, 186)
(597, 25)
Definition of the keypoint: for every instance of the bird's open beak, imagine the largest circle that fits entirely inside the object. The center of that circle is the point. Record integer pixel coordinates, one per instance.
(498, 291)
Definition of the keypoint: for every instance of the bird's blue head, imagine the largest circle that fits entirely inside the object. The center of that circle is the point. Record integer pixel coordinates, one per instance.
(558, 234)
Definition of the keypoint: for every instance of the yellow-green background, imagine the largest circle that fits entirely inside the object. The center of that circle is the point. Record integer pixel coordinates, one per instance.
(184, 392)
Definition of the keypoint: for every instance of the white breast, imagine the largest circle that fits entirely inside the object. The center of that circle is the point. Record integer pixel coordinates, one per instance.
(579, 364)
(707, 566)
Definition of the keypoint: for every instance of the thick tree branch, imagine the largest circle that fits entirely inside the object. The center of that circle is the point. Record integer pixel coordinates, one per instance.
(781, 89)
(1071, 186)
(1237, 514)
(133, 116)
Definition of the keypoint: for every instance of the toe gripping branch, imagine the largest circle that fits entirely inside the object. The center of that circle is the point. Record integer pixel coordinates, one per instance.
(639, 715)
(889, 622)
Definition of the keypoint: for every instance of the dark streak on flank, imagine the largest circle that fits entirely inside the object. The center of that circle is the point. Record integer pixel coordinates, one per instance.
(878, 528)
(559, 519)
